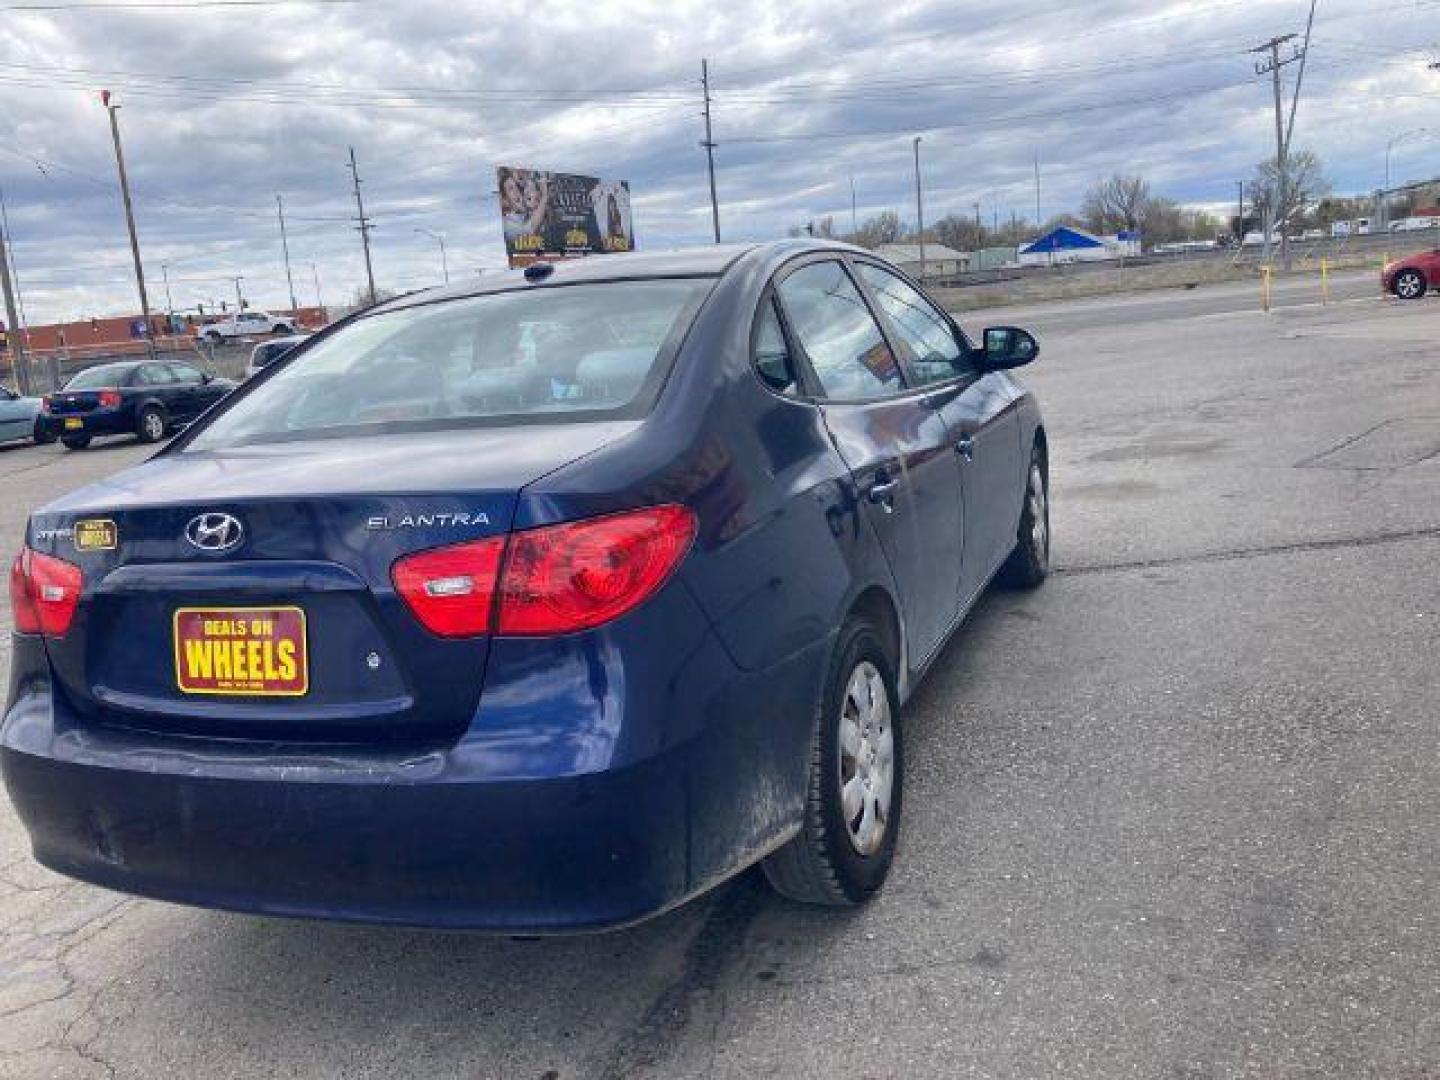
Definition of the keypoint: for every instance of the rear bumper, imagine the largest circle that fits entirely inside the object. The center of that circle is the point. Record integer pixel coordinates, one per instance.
(108, 422)
(474, 835)
(531, 856)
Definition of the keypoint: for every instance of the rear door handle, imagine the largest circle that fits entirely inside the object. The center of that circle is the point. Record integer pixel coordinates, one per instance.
(965, 447)
(882, 493)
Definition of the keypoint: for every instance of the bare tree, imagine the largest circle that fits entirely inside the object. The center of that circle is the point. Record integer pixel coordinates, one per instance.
(959, 232)
(1304, 184)
(883, 228)
(1117, 203)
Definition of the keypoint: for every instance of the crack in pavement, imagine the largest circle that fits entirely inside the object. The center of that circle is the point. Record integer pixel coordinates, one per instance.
(1234, 554)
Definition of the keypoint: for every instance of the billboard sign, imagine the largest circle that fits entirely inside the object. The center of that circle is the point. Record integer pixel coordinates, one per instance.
(557, 215)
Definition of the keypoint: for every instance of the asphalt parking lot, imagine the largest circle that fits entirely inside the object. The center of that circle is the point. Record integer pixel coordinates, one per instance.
(1174, 815)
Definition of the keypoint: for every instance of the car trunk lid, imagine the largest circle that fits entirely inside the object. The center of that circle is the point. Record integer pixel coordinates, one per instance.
(307, 562)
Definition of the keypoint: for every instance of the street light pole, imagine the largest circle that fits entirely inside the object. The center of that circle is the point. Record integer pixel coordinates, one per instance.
(169, 304)
(1385, 192)
(113, 110)
(444, 265)
(919, 210)
(285, 246)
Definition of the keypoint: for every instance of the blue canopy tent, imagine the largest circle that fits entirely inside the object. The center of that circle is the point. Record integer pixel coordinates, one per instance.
(1060, 239)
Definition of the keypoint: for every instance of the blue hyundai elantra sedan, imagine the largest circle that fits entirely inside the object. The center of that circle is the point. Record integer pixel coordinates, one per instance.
(543, 603)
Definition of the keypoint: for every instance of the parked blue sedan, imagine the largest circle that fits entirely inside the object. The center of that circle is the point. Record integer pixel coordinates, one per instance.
(542, 603)
(144, 398)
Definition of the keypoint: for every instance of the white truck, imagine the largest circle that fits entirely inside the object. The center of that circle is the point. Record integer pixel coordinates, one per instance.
(245, 324)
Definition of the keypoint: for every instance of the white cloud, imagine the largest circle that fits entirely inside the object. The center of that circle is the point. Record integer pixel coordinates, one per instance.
(225, 108)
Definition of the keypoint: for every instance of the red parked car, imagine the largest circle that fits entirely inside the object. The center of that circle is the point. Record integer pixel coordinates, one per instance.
(1410, 278)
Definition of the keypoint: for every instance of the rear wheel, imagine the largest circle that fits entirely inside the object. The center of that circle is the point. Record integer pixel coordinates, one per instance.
(75, 442)
(150, 426)
(1409, 285)
(1029, 562)
(41, 435)
(282, 329)
(852, 808)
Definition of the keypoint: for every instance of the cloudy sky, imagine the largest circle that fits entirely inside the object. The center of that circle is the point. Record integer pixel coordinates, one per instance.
(226, 103)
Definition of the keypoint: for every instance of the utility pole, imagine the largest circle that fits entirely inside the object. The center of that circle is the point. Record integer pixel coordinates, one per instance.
(113, 110)
(285, 246)
(1240, 210)
(919, 210)
(444, 266)
(854, 221)
(13, 337)
(364, 228)
(1279, 203)
(319, 296)
(239, 296)
(979, 225)
(709, 145)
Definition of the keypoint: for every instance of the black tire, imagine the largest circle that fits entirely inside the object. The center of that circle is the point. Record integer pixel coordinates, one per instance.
(283, 331)
(1029, 561)
(150, 424)
(823, 864)
(41, 436)
(75, 442)
(1409, 285)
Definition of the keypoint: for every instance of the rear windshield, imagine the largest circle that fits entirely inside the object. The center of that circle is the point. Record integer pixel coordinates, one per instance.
(97, 378)
(573, 352)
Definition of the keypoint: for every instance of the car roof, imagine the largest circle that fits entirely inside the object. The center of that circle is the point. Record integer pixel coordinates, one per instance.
(700, 261)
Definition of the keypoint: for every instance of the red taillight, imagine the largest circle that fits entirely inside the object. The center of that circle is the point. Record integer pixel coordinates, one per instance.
(556, 579)
(451, 590)
(27, 619)
(574, 576)
(109, 399)
(45, 403)
(44, 592)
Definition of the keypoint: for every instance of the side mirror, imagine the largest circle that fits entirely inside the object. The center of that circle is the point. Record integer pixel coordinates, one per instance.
(1009, 347)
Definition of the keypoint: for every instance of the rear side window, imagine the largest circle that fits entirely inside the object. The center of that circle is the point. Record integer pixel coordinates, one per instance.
(839, 335)
(184, 373)
(546, 355)
(772, 354)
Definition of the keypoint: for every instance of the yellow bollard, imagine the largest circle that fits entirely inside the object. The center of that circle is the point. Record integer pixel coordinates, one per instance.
(1265, 288)
(1324, 282)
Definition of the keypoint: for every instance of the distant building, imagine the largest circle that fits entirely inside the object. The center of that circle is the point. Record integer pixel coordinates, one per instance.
(1068, 244)
(123, 334)
(940, 261)
(992, 258)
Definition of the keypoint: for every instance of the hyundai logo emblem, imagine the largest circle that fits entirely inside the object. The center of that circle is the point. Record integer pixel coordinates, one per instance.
(214, 532)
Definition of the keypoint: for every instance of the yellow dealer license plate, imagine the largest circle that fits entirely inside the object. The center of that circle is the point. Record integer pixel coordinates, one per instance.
(252, 651)
(73, 423)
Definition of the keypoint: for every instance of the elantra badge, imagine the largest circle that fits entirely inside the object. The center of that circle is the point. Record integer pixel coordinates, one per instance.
(214, 532)
(428, 521)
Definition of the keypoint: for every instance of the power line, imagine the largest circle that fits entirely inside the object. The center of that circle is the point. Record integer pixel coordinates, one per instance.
(160, 5)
